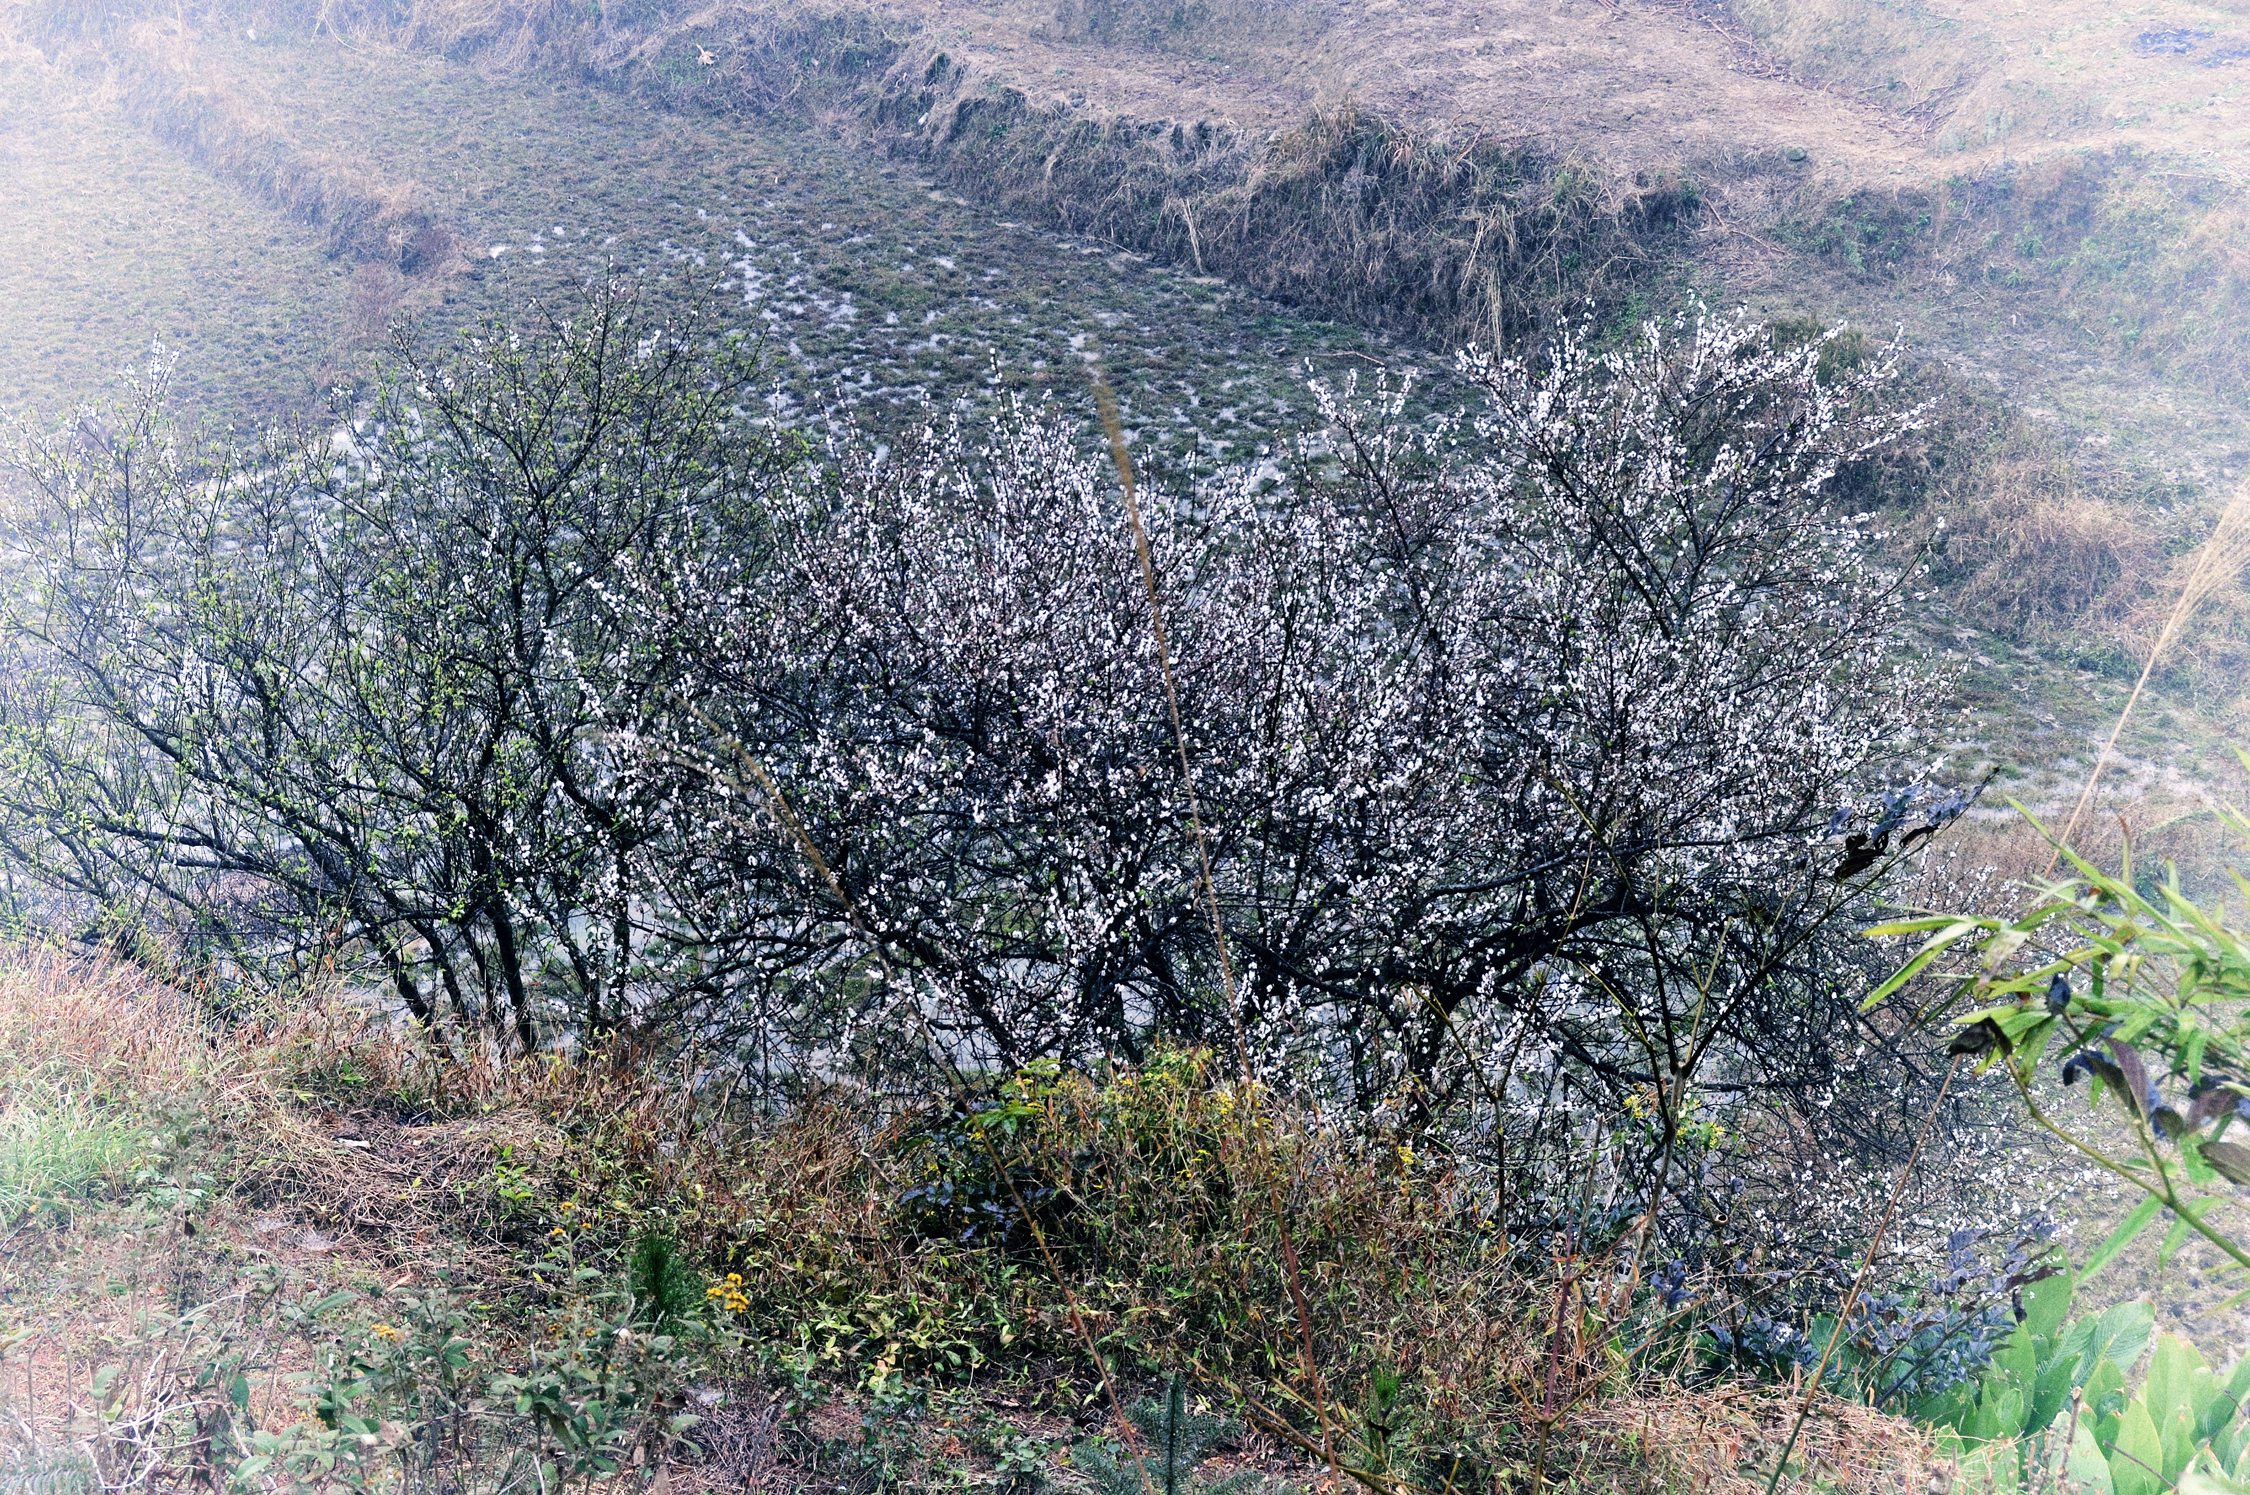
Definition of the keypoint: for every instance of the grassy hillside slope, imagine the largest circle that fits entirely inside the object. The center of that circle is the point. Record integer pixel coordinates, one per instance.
(207, 1236)
(921, 196)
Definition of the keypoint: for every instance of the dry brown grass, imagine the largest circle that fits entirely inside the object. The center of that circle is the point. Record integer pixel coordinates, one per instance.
(2051, 559)
(355, 1153)
(2048, 543)
(1997, 863)
(1447, 236)
(2210, 570)
(153, 68)
(365, 216)
(105, 1027)
(1722, 1440)
(406, 1185)
(2025, 80)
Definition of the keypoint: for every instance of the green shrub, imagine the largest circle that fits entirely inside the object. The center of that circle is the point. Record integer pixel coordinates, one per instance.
(666, 1289)
(2058, 1398)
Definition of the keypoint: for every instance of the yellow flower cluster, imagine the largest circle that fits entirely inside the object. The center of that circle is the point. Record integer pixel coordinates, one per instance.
(574, 1221)
(729, 1294)
(387, 1334)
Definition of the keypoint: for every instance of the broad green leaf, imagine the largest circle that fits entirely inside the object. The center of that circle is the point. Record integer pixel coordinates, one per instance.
(1950, 1408)
(2177, 1434)
(2002, 1416)
(2178, 1390)
(2178, 1380)
(2089, 1468)
(2115, 1337)
(2018, 1356)
(2229, 1444)
(2136, 1457)
(2049, 1394)
(2103, 1400)
(2046, 1303)
(2224, 1413)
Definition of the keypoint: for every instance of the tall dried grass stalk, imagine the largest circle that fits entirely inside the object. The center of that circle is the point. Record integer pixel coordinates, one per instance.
(2218, 562)
(1114, 428)
(101, 1025)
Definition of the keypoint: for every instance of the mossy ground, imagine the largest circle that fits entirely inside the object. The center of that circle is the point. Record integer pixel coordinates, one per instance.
(868, 287)
(109, 241)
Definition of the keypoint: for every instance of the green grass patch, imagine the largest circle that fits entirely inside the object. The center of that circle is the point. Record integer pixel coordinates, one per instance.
(59, 1148)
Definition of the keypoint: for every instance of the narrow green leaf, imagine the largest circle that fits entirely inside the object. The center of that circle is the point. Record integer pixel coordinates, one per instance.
(2121, 1237)
(1953, 924)
(1903, 975)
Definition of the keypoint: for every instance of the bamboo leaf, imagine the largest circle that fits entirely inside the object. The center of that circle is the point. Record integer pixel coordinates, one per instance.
(2121, 1237)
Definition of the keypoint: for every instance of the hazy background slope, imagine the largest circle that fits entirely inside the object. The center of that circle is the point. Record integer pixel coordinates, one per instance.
(2046, 200)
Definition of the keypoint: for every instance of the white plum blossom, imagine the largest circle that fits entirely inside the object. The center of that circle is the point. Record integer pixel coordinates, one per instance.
(1563, 689)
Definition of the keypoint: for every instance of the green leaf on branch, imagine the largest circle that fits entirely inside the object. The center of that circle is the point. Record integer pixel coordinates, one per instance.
(2174, 1238)
(1950, 931)
(2121, 1237)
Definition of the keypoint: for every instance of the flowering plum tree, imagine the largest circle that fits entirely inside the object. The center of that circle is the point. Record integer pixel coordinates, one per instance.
(1512, 737)
(332, 695)
(1518, 740)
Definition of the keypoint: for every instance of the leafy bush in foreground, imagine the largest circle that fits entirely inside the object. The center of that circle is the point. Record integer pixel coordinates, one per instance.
(2135, 989)
(2059, 1403)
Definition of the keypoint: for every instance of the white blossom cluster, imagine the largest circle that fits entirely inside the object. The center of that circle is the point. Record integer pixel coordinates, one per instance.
(1512, 738)
(1519, 743)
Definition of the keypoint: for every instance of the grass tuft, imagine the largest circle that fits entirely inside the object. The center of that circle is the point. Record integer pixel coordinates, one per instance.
(58, 1148)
